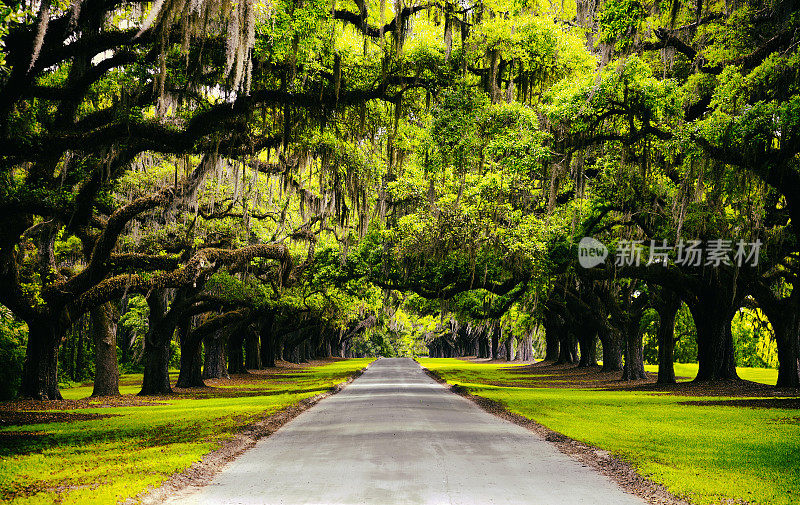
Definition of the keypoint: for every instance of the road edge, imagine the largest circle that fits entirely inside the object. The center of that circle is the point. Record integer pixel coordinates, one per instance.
(202, 472)
(619, 471)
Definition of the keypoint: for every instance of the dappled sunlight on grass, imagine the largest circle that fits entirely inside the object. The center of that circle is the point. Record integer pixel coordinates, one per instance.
(104, 460)
(129, 384)
(689, 372)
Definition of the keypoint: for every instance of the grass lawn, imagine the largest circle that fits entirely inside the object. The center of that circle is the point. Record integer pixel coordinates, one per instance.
(689, 371)
(108, 459)
(707, 454)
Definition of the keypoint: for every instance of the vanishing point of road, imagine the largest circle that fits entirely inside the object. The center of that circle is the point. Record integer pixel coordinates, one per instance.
(395, 436)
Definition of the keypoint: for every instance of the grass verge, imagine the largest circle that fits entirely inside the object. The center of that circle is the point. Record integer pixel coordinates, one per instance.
(703, 452)
(122, 447)
(688, 371)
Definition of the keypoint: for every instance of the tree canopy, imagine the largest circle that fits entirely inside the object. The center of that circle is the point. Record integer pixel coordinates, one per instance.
(280, 180)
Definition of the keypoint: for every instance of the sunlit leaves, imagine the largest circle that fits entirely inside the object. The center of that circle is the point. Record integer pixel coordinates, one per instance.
(619, 21)
(455, 129)
(514, 140)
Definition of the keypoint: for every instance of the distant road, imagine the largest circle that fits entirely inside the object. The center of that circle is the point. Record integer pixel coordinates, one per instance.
(395, 436)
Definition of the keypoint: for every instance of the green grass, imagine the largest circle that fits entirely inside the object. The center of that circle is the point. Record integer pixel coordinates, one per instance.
(707, 454)
(689, 372)
(106, 460)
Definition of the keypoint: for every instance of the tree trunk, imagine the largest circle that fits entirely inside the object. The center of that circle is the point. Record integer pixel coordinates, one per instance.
(495, 351)
(485, 345)
(493, 90)
(191, 358)
(280, 348)
(633, 368)
(715, 353)
(291, 353)
(588, 346)
(509, 348)
(156, 368)
(40, 370)
(79, 355)
(124, 339)
(552, 338)
(612, 351)
(156, 348)
(712, 315)
(525, 348)
(567, 348)
(214, 363)
(106, 373)
(789, 352)
(267, 346)
(252, 351)
(305, 351)
(235, 352)
(784, 315)
(713, 310)
(667, 309)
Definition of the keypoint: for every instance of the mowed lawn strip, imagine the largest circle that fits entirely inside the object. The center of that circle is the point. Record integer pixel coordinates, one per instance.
(706, 454)
(109, 459)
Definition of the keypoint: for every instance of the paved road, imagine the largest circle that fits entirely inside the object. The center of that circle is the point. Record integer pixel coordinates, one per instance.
(395, 436)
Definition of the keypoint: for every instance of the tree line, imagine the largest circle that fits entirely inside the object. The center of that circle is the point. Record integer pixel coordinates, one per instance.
(274, 179)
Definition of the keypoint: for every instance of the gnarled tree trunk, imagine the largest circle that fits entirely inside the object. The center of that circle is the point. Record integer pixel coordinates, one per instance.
(588, 347)
(567, 347)
(252, 351)
(509, 344)
(784, 316)
(713, 311)
(612, 351)
(40, 370)
(485, 345)
(667, 309)
(267, 346)
(106, 373)
(156, 347)
(214, 366)
(789, 351)
(552, 337)
(191, 358)
(633, 369)
(235, 352)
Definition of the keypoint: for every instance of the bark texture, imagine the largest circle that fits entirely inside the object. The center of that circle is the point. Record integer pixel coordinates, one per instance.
(106, 373)
(40, 370)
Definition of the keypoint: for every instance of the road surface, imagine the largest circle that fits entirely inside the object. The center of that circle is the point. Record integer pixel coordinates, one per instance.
(395, 436)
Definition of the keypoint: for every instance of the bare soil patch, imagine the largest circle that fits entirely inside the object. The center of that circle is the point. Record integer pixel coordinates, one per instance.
(24, 405)
(23, 417)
